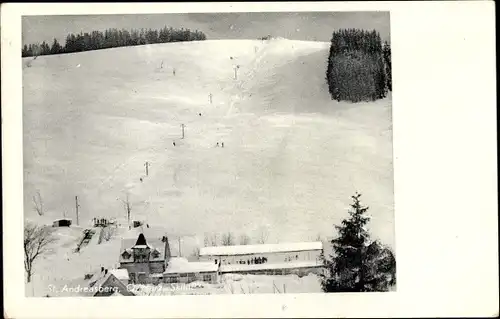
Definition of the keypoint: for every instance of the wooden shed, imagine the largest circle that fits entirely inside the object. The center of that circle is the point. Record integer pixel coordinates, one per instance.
(63, 222)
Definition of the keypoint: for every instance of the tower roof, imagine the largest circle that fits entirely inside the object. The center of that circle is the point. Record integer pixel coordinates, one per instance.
(141, 240)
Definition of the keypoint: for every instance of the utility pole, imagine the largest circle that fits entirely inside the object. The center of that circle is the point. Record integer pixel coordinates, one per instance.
(210, 98)
(236, 72)
(147, 168)
(180, 255)
(77, 205)
(182, 126)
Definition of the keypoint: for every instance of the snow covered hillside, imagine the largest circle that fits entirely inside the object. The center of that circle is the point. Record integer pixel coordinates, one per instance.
(291, 158)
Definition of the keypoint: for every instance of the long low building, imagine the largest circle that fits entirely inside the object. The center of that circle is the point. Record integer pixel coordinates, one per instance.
(273, 259)
(180, 270)
(300, 268)
(273, 253)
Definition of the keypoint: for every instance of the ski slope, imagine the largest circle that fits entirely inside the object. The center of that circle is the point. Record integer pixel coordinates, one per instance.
(291, 158)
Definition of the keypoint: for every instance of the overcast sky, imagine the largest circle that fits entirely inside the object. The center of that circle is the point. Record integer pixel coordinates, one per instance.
(316, 26)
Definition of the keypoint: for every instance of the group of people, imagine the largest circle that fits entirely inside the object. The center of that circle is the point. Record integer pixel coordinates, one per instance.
(256, 260)
(251, 261)
(100, 222)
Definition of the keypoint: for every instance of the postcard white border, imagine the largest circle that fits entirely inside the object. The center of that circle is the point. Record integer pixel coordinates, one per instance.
(444, 107)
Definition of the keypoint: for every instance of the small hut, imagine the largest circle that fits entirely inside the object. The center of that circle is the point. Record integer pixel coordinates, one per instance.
(63, 222)
(138, 223)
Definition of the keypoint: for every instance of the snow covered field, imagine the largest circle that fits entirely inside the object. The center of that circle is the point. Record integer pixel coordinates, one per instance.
(291, 158)
(236, 284)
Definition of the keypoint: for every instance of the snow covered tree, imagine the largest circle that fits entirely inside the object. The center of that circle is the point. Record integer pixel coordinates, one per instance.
(127, 206)
(245, 239)
(262, 235)
(108, 233)
(358, 264)
(227, 239)
(36, 241)
(38, 203)
(211, 240)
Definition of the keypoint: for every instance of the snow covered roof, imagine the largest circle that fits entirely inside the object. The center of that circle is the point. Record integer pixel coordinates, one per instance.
(128, 243)
(59, 219)
(269, 266)
(179, 265)
(102, 279)
(121, 274)
(259, 249)
(97, 281)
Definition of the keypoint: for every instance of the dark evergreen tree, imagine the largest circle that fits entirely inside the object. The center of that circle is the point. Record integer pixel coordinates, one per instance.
(388, 64)
(30, 50)
(134, 37)
(56, 47)
(355, 69)
(35, 49)
(86, 42)
(71, 45)
(358, 264)
(25, 51)
(112, 38)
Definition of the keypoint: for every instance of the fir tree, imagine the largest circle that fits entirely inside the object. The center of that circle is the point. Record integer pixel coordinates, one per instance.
(112, 38)
(388, 66)
(355, 69)
(30, 50)
(358, 264)
(25, 51)
(56, 47)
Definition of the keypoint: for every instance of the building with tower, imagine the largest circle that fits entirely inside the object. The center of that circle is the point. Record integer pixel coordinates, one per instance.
(150, 261)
